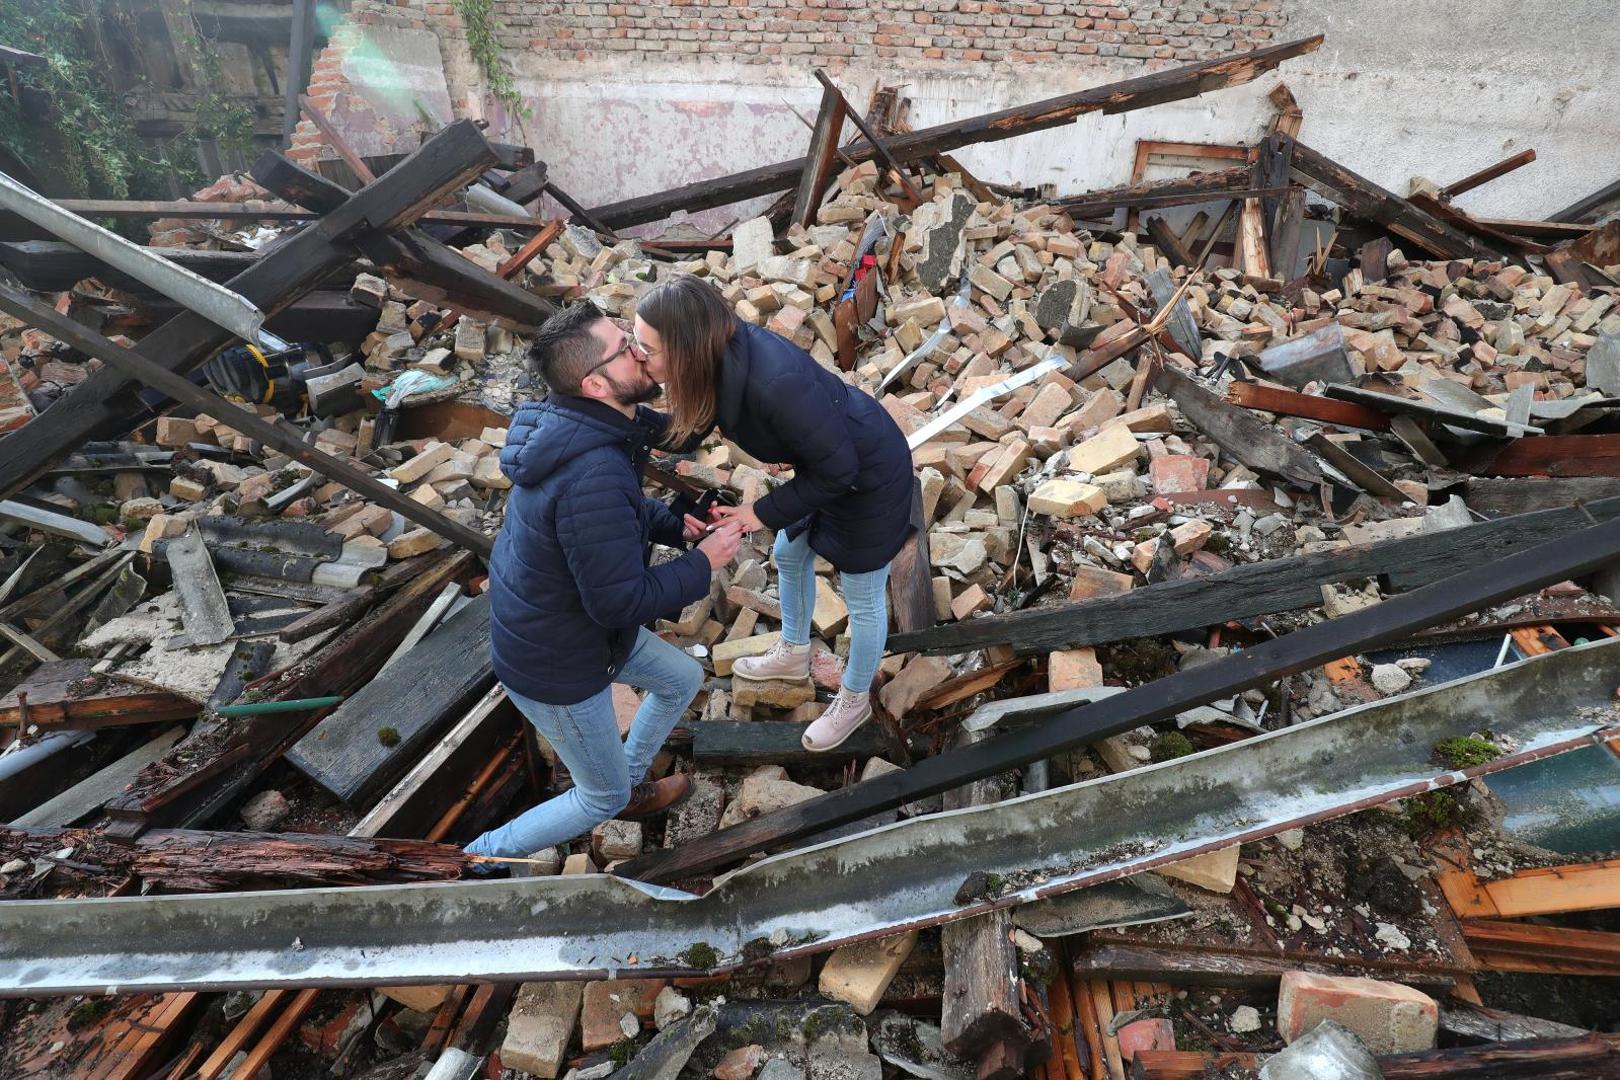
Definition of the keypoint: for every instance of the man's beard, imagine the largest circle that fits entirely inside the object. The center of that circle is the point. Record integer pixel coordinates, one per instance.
(630, 395)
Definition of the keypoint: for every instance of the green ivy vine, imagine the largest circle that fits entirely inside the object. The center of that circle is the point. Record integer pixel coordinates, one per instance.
(476, 15)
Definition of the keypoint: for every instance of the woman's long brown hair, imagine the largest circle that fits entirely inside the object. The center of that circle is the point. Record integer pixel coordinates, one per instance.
(695, 325)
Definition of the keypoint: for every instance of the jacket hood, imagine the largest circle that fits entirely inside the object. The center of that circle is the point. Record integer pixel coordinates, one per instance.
(546, 436)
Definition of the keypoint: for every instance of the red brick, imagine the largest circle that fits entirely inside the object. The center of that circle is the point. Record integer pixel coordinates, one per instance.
(607, 1002)
(1389, 1017)
(1178, 472)
(1146, 1035)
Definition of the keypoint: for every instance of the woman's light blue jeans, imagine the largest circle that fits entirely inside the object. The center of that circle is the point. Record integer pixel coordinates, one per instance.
(865, 594)
(586, 738)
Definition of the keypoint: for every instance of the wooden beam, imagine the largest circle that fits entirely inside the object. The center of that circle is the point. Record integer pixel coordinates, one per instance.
(1252, 590)
(362, 171)
(1239, 433)
(1275, 399)
(751, 744)
(878, 146)
(103, 401)
(1165, 239)
(1597, 205)
(1553, 1059)
(1550, 455)
(1487, 174)
(829, 126)
(1478, 586)
(1153, 89)
(208, 403)
(1175, 191)
(1362, 197)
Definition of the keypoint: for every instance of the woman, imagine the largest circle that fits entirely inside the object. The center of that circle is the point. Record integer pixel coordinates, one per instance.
(850, 497)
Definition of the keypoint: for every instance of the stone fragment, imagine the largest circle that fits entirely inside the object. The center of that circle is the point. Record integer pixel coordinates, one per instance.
(487, 474)
(616, 839)
(1245, 1018)
(1063, 497)
(1107, 450)
(1215, 871)
(921, 675)
(174, 431)
(763, 791)
(669, 1006)
(265, 811)
(1139, 1035)
(1071, 669)
(860, 973)
(1062, 310)
(1389, 1017)
(729, 652)
(1177, 473)
(940, 263)
(414, 542)
(772, 693)
(1090, 582)
(1390, 678)
(830, 614)
(752, 242)
(742, 1063)
(540, 1027)
(432, 457)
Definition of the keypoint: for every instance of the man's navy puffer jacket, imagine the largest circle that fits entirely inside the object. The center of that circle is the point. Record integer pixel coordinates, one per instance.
(569, 581)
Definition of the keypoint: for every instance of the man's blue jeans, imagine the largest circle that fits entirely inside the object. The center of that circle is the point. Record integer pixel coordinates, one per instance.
(586, 737)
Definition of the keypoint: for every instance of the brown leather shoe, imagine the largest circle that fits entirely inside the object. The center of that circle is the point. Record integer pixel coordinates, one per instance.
(650, 799)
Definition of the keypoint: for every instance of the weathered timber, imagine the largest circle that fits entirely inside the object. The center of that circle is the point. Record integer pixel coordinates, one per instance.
(1180, 322)
(67, 694)
(53, 266)
(1549, 455)
(195, 861)
(879, 146)
(1366, 199)
(248, 661)
(1275, 399)
(1487, 174)
(1119, 955)
(437, 680)
(1238, 432)
(1585, 1058)
(911, 589)
(829, 126)
(1466, 223)
(777, 742)
(1580, 261)
(293, 268)
(339, 667)
(420, 265)
(177, 386)
(1496, 1025)
(1254, 589)
(1166, 240)
(1364, 476)
(1478, 586)
(1497, 497)
(204, 211)
(1600, 204)
(1190, 1064)
(1138, 93)
(981, 1005)
(1426, 410)
(1235, 183)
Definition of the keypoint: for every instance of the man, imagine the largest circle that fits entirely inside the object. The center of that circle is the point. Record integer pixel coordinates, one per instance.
(570, 584)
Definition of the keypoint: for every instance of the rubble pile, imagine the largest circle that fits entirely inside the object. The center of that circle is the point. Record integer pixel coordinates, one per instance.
(230, 664)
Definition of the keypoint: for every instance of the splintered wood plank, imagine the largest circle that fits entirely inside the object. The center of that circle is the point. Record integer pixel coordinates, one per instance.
(1552, 455)
(437, 680)
(68, 694)
(1554, 889)
(1115, 1063)
(246, 1027)
(1487, 174)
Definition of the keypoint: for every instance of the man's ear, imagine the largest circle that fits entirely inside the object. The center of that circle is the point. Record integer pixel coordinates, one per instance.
(593, 387)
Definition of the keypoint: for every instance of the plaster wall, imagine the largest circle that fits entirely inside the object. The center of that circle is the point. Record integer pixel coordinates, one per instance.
(1440, 88)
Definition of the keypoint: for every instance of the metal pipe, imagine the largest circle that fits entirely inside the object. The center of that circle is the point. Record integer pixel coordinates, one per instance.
(194, 292)
(261, 708)
(13, 762)
(811, 900)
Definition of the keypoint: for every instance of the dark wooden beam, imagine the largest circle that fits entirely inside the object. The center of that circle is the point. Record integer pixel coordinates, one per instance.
(879, 146)
(1176, 191)
(1165, 239)
(1365, 199)
(824, 135)
(1252, 590)
(1138, 93)
(419, 264)
(1487, 174)
(1600, 203)
(1478, 586)
(1274, 399)
(103, 401)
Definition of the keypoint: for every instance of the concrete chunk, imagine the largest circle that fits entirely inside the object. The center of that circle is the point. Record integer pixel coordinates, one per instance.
(540, 1027)
(1389, 1017)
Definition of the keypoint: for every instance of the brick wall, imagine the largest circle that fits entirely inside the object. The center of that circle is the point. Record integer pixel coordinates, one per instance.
(836, 33)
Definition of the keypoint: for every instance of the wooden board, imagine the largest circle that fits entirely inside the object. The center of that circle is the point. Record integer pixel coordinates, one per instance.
(68, 694)
(1251, 590)
(775, 742)
(419, 695)
(1275, 399)
(1551, 455)
(829, 127)
(1239, 433)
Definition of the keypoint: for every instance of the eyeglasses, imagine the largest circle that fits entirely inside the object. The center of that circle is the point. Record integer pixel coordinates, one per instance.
(628, 345)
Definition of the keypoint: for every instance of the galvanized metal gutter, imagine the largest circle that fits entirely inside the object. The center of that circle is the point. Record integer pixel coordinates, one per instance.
(194, 292)
(870, 885)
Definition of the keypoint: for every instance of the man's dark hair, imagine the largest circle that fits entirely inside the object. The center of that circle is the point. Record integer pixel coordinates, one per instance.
(564, 352)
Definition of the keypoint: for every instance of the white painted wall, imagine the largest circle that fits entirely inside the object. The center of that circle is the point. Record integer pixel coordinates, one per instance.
(1401, 87)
